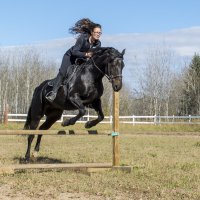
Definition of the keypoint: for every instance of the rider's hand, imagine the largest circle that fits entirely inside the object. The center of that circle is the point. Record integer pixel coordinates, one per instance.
(89, 54)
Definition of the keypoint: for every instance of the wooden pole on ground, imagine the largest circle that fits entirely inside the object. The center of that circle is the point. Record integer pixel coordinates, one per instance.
(115, 133)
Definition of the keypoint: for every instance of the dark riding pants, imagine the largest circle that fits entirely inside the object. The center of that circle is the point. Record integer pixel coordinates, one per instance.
(66, 62)
(57, 82)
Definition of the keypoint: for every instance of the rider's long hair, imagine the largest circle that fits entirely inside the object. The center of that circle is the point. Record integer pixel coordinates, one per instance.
(84, 25)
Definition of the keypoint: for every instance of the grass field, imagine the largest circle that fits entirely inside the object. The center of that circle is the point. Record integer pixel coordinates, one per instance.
(124, 128)
(165, 160)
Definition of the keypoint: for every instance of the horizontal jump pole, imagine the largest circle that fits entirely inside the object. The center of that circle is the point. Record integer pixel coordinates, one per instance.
(54, 132)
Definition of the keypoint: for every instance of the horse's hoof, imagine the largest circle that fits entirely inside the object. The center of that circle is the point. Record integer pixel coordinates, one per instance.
(26, 160)
(63, 124)
(67, 123)
(88, 125)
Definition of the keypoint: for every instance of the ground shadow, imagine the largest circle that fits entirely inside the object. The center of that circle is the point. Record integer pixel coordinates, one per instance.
(39, 160)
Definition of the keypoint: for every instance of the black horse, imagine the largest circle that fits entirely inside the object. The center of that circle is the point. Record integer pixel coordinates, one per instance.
(83, 89)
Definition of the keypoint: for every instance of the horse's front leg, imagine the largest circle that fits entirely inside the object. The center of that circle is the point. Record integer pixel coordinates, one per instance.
(97, 106)
(76, 101)
(30, 126)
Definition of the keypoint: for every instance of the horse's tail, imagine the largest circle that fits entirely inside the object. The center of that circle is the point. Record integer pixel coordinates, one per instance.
(28, 120)
(36, 102)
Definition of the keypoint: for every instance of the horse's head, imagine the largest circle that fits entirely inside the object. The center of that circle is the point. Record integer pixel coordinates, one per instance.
(114, 68)
(109, 62)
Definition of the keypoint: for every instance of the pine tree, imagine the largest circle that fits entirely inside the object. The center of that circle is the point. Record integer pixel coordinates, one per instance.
(192, 87)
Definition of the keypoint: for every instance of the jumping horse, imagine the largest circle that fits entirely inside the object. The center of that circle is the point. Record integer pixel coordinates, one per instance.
(84, 89)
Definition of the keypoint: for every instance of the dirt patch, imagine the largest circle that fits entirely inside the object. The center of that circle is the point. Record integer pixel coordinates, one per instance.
(7, 193)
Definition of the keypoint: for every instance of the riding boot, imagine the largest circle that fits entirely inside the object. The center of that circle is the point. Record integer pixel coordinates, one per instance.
(56, 85)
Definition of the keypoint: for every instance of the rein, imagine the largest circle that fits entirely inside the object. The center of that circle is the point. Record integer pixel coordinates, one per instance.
(101, 70)
(109, 77)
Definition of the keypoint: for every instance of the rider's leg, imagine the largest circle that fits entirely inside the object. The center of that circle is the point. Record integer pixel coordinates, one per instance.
(66, 61)
(56, 84)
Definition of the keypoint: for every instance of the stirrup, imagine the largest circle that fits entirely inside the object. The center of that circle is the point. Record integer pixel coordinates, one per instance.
(51, 96)
(50, 83)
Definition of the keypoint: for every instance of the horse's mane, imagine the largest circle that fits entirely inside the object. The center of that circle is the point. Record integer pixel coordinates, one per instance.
(99, 51)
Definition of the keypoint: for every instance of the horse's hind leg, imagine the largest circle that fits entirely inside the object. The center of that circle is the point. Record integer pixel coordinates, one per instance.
(97, 106)
(52, 117)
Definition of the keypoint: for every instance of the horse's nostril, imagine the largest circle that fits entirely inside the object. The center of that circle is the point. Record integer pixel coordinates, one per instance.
(116, 88)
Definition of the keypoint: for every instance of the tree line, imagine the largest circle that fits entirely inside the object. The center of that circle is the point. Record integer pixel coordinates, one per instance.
(162, 91)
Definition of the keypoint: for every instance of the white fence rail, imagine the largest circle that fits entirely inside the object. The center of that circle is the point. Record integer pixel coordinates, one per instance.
(124, 119)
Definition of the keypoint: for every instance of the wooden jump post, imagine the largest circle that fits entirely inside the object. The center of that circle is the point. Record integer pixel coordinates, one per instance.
(115, 133)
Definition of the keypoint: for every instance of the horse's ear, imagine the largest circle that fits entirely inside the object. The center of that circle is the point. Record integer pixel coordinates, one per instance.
(123, 52)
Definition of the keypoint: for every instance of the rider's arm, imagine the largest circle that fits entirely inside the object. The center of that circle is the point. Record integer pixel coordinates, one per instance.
(76, 48)
(98, 43)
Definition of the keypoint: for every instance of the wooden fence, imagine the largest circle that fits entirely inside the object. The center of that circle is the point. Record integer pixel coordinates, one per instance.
(122, 119)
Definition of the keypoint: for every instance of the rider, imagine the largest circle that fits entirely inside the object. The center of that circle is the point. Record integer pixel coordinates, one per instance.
(89, 34)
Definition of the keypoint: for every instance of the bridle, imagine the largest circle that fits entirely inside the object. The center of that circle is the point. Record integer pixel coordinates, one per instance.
(110, 77)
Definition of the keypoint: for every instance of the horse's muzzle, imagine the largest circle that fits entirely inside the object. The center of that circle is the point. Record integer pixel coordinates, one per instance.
(117, 84)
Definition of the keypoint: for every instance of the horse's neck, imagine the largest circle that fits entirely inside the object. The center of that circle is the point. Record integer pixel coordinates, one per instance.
(100, 62)
(98, 69)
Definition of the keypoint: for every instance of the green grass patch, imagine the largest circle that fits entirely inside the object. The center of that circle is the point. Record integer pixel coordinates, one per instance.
(164, 167)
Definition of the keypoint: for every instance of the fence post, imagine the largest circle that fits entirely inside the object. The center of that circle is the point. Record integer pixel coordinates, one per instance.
(111, 119)
(155, 120)
(133, 120)
(189, 118)
(61, 119)
(88, 115)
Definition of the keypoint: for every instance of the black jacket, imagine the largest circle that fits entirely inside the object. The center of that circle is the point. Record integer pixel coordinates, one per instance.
(82, 46)
(77, 51)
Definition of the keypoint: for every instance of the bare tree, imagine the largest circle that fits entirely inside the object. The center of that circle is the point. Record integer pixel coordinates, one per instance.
(156, 80)
(20, 73)
(4, 74)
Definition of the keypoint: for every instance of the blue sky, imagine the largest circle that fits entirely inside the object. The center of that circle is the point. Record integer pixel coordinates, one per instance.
(29, 21)
(136, 25)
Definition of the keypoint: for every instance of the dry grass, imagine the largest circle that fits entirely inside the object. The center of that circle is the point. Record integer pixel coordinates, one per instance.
(164, 167)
